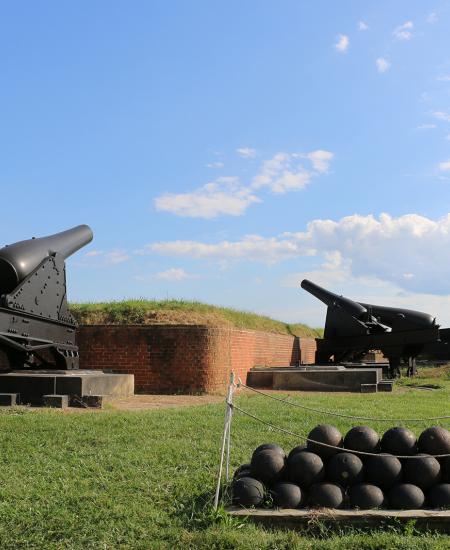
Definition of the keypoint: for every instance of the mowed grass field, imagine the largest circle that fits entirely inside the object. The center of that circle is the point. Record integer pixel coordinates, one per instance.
(115, 479)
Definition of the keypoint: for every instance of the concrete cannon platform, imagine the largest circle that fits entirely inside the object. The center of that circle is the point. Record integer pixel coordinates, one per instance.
(318, 378)
(32, 385)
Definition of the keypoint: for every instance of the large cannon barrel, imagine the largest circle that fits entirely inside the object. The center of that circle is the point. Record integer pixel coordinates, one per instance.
(20, 259)
(330, 299)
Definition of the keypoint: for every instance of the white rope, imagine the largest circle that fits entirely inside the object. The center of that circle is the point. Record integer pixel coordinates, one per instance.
(225, 436)
(305, 438)
(331, 413)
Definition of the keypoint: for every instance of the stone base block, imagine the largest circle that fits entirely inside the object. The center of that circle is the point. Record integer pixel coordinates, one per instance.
(315, 378)
(56, 401)
(32, 385)
(385, 385)
(8, 399)
(369, 388)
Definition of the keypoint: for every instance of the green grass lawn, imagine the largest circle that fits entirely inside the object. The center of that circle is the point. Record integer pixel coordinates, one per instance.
(116, 479)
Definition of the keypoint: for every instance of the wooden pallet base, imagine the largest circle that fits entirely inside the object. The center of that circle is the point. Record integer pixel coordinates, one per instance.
(424, 520)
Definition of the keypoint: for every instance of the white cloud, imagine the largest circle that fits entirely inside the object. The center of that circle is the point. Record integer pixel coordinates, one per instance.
(382, 64)
(246, 152)
(445, 166)
(116, 257)
(173, 274)
(321, 160)
(384, 248)
(342, 43)
(284, 172)
(443, 78)
(447, 137)
(442, 115)
(363, 26)
(215, 165)
(432, 17)
(426, 126)
(280, 174)
(223, 196)
(403, 32)
(111, 257)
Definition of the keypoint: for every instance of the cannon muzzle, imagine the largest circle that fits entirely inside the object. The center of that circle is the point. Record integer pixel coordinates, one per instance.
(20, 259)
(330, 299)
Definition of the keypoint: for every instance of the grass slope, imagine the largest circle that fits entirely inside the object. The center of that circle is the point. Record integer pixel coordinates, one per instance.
(145, 479)
(150, 312)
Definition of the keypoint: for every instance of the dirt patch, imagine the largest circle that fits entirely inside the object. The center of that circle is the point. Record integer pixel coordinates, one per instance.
(149, 402)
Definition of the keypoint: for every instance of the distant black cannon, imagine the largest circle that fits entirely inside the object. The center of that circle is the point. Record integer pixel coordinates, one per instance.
(354, 328)
(36, 328)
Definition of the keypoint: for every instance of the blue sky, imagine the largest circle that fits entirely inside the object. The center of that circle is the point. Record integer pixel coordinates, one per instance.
(222, 151)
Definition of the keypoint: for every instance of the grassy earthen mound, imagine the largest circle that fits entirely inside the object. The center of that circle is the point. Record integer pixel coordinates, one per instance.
(181, 312)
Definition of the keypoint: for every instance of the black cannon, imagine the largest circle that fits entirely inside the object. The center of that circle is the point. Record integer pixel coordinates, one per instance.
(36, 327)
(354, 328)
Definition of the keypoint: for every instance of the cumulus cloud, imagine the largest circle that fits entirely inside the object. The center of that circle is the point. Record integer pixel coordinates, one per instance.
(215, 165)
(404, 251)
(173, 274)
(363, 26)
(403, 32)
(111, 257)
(443, 78)
(280, 174)
(382, 64)
(246, 152)
(285, 172)
(432, 17)
(342, 43)
(252, 247)
(442, 115)
(223, 196)
(426, 126)
(321, 160)
(445, 166)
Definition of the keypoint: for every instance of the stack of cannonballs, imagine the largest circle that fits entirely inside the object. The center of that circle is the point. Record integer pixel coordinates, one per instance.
(318, 476)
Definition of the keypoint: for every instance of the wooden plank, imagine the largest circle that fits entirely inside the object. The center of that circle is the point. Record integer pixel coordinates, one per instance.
(429, 520)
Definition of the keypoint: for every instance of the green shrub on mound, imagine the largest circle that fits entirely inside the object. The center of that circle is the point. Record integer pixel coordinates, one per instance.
(181, 312)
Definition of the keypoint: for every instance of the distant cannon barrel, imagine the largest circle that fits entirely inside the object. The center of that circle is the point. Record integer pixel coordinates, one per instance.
(330, 299)
(20, 259)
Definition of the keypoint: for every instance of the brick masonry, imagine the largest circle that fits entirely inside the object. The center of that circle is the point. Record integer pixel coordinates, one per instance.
(185, 358)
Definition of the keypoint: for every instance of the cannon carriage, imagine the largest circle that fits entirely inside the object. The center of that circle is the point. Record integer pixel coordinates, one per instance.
(37, 330)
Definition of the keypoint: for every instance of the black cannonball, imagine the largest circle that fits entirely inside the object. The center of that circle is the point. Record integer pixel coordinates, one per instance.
(406, 496)
(286, 495)
(324, 433)
(439, 496)
(305, 468)
(445, 469)
(267, 465)
(383, 470)
(345, 469)
(297, 449)
(421, 470)
(242, 471)
(362, 438)
(365, 496)
(271, 447)
(435, 441)
(399, 441)
(326, 495)
(247, 491)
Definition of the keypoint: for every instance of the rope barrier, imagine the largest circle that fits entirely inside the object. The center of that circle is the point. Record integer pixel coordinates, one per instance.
(330, 413)
(305, 438)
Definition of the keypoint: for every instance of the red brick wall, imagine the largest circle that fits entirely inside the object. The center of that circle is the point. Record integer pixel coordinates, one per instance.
(167, 358)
